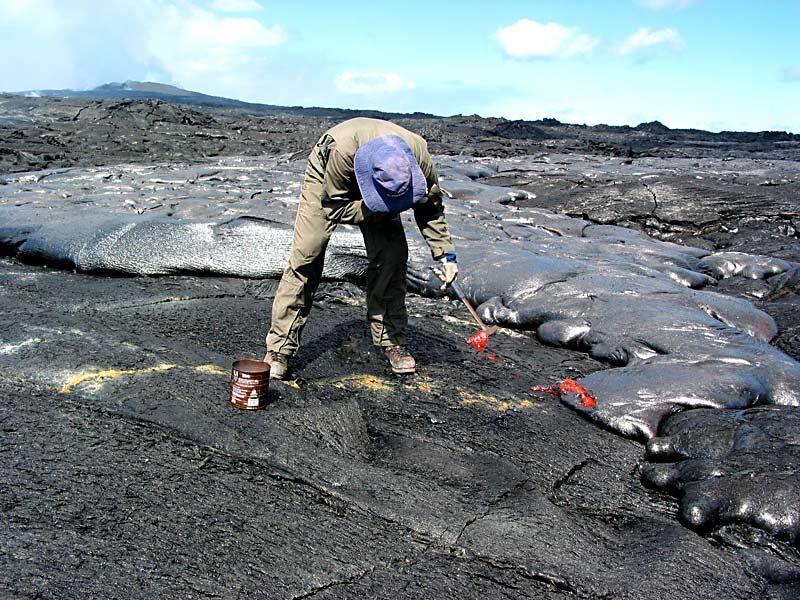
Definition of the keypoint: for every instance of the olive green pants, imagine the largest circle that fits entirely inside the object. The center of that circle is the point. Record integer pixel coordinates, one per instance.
(387, 252)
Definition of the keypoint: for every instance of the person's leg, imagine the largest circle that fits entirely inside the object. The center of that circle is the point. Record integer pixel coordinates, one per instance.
(387, 251)
(302, 275)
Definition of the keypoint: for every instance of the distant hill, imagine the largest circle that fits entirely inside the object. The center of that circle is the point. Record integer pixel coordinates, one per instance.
(147, 87)
(145, 90)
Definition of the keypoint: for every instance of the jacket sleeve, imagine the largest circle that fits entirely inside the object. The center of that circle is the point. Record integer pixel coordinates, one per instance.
(337, 199)
(430, 215)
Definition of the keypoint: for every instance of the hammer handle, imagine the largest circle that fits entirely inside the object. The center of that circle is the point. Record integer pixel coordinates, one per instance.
(463, 297)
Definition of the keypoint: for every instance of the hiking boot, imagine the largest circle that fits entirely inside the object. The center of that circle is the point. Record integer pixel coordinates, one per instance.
(278, 365)
(400, 359)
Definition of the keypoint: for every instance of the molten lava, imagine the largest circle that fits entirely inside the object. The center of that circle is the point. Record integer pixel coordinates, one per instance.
(570, 386)
(479, 340)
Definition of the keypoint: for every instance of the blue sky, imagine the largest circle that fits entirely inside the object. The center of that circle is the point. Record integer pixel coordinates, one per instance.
(713, 64)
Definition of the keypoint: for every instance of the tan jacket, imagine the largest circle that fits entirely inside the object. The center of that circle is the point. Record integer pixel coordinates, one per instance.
(340, 196)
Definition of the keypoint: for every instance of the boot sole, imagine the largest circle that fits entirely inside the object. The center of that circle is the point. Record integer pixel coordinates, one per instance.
(404, 371)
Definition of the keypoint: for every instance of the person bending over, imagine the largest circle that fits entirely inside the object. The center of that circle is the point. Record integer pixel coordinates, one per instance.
(363, 172)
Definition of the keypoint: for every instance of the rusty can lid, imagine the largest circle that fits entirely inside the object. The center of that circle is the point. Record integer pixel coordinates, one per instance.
(250, 366)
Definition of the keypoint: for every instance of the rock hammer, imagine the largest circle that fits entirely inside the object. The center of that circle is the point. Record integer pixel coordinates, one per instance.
(454, 285)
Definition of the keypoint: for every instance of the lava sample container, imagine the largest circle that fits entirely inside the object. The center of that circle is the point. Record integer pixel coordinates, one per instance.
(249, 384)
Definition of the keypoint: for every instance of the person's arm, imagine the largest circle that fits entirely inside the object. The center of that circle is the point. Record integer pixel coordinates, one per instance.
(432, 225)
(337, 196)
(430, 215)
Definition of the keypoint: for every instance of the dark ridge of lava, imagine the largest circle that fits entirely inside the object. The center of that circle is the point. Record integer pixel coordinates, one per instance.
(51, 132)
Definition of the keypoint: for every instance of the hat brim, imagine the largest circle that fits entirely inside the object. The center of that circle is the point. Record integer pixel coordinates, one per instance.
(375, 198)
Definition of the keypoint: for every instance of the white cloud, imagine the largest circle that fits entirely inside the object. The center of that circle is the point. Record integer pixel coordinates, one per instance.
(206, 30)
(202, 51)
(236, 6)
(353, 82)
(83, 43)
(14, 8)
(644, 40)
(531, 39)
(667, 4)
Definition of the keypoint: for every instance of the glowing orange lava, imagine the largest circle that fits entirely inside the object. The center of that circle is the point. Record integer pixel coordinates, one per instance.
(570, 386)
(479, 340)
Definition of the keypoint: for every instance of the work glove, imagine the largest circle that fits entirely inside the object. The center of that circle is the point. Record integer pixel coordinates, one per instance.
(449, 270)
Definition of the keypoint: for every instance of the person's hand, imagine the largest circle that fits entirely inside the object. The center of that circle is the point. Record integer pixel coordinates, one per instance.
(448, 273)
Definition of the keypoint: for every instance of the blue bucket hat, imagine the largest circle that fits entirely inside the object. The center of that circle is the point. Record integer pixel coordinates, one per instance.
(388, 175)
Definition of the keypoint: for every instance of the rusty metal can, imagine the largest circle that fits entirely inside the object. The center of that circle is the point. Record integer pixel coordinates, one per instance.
(249, 384)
